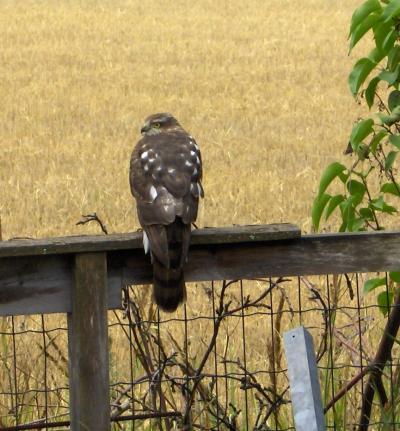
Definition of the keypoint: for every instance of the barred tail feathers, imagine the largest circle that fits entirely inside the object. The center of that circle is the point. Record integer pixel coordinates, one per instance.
(169, 282)
(169, 286)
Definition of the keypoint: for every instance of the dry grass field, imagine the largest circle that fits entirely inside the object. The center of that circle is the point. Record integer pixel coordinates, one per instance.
(261, 85)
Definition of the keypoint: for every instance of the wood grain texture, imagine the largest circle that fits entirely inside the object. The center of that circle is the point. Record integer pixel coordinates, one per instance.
(88, 345)
(308, 255)
(130, 241)
(41, 284)
(37, 284)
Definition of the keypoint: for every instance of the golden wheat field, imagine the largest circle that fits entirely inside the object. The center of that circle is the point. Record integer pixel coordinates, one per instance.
(261, 85)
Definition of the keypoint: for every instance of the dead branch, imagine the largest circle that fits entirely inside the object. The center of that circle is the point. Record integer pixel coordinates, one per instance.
(147, 357)
(349, 286)
(382, 356)
(347, 387)
(87, 218)
(220, 312)
(325, 314)
(120, 407)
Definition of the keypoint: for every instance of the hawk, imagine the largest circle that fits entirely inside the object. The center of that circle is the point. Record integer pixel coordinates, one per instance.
(165, 179)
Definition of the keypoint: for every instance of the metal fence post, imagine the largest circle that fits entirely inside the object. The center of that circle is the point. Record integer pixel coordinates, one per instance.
(88, 345)
(305, 391)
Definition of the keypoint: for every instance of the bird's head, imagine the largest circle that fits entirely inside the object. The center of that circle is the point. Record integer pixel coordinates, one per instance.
(158, 123)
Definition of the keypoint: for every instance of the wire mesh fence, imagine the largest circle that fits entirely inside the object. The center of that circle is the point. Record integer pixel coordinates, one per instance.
(216, 364)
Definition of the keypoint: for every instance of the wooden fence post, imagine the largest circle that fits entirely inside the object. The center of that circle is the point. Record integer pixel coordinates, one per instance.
(88, 345)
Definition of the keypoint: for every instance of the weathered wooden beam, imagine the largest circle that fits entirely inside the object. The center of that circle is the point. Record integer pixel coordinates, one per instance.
(308, 255)
(88, 345)
(40, 283)
(131, 241)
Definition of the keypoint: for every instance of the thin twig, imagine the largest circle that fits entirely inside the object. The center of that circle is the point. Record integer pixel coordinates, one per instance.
(87, 218)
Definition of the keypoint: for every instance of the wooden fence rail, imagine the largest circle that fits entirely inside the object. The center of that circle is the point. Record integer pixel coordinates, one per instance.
(83, 276)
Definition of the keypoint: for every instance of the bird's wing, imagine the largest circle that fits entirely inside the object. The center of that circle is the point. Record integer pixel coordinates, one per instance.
(165, 179)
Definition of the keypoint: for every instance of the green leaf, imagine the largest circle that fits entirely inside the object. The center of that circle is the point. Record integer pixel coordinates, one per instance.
(395, 141)
(318, 208)
(389, 77)
(330, 173)
(333, 203)
(393, 58)
(363, 68)
(359, 74)
(362, 12)
(376, 55)
(373, 283)
(377, 204)
(360, 131)
(355, 187)
(385, 300)
(396, 113)
(385, 36)
(344, 176)
(376, 139)
(362, 28)
(362, 151)
(367, 213)
(394, 117)
(348, 212)
(395, 276)
(389, 209)
(380, 205)
(357, 199)
(384, 119)
(394, 97)
(357, 225)
(389, 41)
(391, 157)
(391, 188)
(391, 10)
(370, 91)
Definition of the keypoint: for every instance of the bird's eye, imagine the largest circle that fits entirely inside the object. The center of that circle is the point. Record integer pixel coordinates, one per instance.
(157, 125)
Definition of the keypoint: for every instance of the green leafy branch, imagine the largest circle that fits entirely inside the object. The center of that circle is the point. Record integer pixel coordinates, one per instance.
(368, 186)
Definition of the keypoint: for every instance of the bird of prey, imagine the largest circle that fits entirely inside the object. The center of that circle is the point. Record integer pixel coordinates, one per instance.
(165, 178)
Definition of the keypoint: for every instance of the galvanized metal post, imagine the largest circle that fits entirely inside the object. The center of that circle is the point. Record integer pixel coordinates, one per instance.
(305, 391)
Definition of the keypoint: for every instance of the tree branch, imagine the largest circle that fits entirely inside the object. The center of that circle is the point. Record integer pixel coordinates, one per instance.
(382, 356)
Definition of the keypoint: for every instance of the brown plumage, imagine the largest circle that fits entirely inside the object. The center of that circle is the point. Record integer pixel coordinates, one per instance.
(165, 178)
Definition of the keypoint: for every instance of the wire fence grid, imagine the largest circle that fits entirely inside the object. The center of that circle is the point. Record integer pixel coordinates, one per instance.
(216, 364)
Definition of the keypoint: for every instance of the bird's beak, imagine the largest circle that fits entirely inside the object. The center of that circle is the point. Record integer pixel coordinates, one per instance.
(145, 129)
